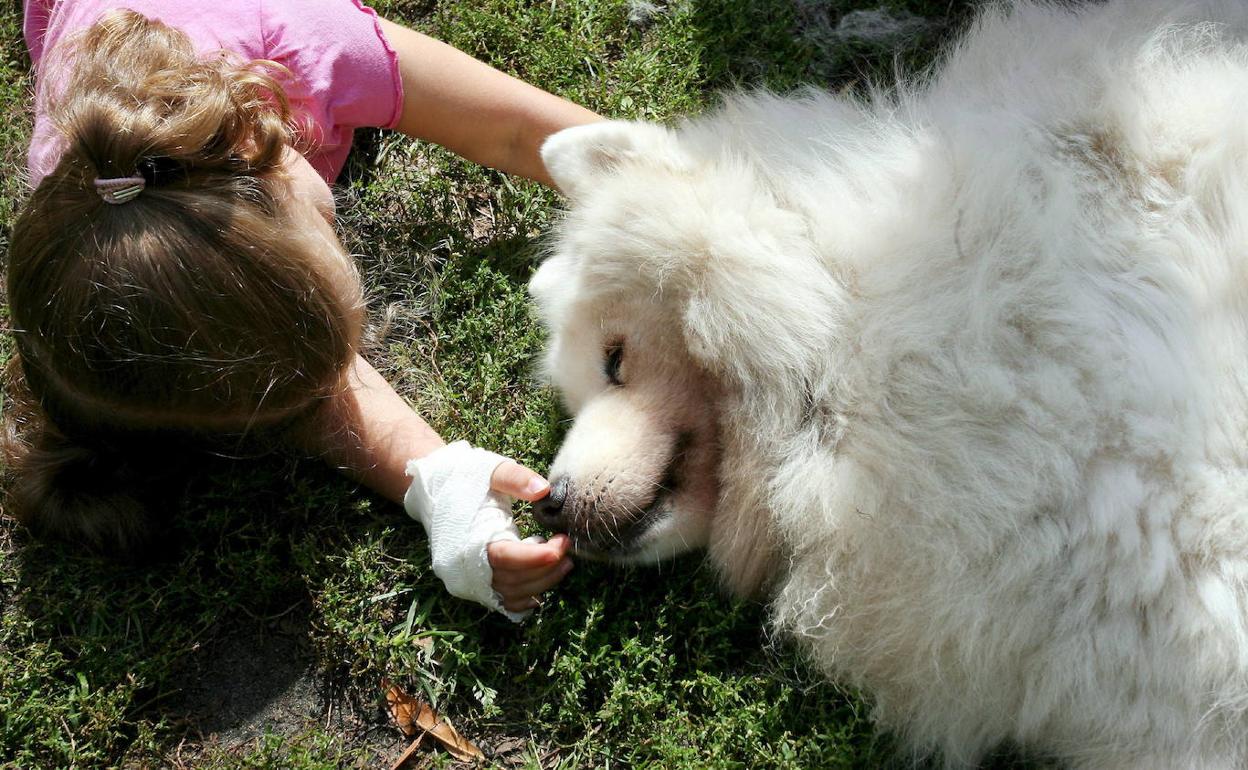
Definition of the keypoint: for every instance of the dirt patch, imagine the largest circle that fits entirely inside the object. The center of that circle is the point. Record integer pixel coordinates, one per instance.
(251, 680)
(259, 678)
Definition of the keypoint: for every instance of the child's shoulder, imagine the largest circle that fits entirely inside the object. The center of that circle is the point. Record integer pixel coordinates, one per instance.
(233, 25)
(344, 71)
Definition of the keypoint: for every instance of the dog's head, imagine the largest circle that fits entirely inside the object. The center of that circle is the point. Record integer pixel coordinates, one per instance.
(660, 298)
(635, 478)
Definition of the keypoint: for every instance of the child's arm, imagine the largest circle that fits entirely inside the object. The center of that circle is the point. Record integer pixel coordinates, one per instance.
(498, 121)
(370, 433)
(475, 110)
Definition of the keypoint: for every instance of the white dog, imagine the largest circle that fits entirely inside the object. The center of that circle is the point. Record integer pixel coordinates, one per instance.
(958, 374)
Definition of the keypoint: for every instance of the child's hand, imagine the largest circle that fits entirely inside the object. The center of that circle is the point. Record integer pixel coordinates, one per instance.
(475, 547)
(514, 480)
(525, 569)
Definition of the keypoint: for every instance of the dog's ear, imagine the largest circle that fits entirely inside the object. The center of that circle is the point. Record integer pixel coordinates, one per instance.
(759, 305)
(550, 286)
(577, 157)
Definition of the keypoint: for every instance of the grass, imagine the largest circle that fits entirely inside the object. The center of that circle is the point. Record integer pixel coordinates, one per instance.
(261, 641)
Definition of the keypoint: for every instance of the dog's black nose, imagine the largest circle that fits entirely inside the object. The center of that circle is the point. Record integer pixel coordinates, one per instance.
(549, 510)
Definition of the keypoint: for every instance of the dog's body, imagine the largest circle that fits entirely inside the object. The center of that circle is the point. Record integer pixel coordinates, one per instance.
(960, 376)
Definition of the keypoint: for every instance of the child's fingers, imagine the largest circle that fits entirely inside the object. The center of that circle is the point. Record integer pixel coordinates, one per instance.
(534, 586)
(521, 604)
(515, 480)
(513, 555)
(508, 578)
(559, 543)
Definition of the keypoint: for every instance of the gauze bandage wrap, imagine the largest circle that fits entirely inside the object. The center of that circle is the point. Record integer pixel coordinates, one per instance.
(450, 494)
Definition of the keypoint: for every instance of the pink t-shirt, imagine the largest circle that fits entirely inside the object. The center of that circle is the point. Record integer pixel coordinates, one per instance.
(346, 74)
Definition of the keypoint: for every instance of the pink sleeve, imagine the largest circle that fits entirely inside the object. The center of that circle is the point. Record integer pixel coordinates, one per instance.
(35, 26)
(346, 74)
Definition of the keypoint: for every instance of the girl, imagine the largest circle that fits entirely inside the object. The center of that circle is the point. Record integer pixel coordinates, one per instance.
(175, 282)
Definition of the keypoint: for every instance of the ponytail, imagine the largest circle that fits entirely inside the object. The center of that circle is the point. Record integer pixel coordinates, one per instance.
(69, 492)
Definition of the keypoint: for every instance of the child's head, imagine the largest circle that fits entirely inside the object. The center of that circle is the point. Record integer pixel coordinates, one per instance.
(215, 301)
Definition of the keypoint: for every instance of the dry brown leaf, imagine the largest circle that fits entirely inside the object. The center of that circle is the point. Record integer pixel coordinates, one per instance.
(403, 708)
(412, 714)
(440, 728)
(411, 749)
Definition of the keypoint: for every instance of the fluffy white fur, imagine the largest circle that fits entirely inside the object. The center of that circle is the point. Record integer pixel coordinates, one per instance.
(976, 358)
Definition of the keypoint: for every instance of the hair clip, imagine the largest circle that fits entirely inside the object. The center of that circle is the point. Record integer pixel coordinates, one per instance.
(120, 190)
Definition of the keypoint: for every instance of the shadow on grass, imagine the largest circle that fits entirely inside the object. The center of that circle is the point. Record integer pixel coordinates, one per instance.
(237, 635)
(212, 641)
(782, 44)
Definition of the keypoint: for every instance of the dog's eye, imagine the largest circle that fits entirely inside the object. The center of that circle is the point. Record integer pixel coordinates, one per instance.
(611, 365)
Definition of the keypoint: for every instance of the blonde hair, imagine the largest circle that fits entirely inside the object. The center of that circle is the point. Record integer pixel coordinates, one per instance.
(191, 310)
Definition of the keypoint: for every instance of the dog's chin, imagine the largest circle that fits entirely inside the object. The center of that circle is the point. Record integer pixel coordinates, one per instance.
(666, 532)
(668, 537)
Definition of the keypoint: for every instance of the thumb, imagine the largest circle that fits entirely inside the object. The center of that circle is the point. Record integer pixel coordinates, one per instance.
(517, 481)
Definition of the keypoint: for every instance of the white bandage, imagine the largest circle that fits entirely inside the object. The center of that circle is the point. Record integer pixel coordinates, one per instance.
(450, 494)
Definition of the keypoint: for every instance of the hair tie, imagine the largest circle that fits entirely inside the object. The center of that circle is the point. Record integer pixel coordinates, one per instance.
(120, 190)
